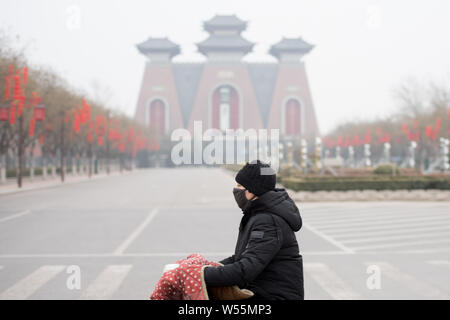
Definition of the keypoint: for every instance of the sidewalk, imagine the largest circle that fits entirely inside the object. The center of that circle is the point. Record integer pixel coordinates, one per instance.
(371, 195)
(39, 182)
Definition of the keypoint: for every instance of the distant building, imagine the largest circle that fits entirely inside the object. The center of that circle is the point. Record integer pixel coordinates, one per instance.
(225, 92)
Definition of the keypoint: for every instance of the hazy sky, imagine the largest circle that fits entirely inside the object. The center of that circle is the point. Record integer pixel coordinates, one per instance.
(364, 48)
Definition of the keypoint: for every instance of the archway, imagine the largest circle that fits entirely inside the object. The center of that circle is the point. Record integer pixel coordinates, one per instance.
(225, 108)
(292, 121)
(157, 116)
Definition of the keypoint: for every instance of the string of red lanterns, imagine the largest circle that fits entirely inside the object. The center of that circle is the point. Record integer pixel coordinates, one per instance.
(412, 133)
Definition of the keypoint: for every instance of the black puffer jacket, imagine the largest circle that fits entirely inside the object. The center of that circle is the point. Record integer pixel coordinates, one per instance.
(266, 258)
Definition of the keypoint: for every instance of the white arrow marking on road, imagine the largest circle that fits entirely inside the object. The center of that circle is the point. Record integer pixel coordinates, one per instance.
(106, 283)
(17, 215)
(121, 249)
(412, 283)
(330, 282)
(31, 283)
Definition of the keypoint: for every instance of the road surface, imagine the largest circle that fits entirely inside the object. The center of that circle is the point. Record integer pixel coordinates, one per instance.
(118, 232)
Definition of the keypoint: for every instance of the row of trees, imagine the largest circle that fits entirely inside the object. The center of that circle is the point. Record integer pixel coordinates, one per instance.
(40, 111)
(423, 118)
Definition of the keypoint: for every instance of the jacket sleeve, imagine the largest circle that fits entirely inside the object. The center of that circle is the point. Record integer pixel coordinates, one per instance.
(227, 260)
(264, 242)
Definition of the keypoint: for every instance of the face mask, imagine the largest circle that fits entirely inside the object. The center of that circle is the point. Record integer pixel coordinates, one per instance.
(241, 200)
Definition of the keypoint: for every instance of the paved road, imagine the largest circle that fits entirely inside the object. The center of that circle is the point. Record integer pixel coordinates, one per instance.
(121, 230)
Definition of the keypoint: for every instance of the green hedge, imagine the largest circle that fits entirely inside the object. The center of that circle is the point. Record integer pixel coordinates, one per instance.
(354, 183)
(385, 169)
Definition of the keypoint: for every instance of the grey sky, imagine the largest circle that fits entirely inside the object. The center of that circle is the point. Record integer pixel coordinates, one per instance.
(364, 48)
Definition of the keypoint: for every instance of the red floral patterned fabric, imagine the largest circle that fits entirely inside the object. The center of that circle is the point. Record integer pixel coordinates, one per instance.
(186, 282)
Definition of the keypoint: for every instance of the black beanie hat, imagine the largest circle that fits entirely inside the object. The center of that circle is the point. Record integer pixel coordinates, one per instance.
(257, 177)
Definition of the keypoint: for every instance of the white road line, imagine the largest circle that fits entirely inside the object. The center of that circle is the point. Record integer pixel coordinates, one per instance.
(402, 216)
(396, 231)
(330, 281)
(124, 245)
(359, 229)
(328, 238)
(400, 244)
(413, 284)
(14, 216)
(399, 237)
(338, 210)
(106, 283)
(445, 263)
(332, 216)
(25, 287)
(381, 222)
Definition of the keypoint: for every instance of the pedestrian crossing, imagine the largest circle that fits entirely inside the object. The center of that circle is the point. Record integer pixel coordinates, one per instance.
(330, 282)
(334, 281)
(371, 227)
(107, 283)
(31, 283)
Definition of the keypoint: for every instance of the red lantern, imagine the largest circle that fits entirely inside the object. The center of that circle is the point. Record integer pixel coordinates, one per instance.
(404, 128)
(25, 76)
(4, 114)
(429, 131)
(89, 137)
(367, 138)
(7, 87)
(31, 131)
(12, 114)
(39, 113)
(17, 89)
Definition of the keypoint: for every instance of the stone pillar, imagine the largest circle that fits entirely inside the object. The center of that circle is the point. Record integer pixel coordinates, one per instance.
(3, 168)
(31, 168)
(44, 167)
(53, 167)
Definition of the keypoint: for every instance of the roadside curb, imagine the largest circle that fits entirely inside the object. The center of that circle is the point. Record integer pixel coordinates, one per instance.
(59, 183)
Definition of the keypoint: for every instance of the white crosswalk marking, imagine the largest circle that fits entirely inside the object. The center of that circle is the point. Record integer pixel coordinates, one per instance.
(396, 231)
(398, 237)
(31, 283)
(338, 221)
(387, 226)
(399, 227)
(401, 244)
(328, 238)
(346, 224)
(330, 281)
(106, 283)
(440, 263)
(413, 284)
